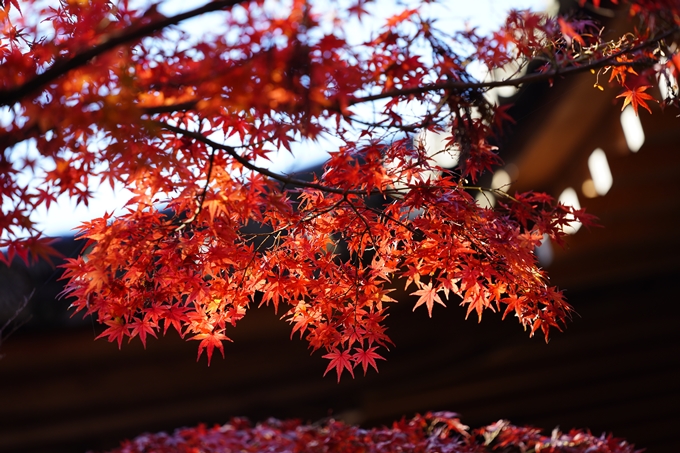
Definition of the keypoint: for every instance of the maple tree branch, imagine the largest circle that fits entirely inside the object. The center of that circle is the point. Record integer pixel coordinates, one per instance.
(496, 192)
(457, 85)
(211, 162)
(392, 219)
(530, 78)
(309, 217)
(134, 32)
(281, 178)
(201, 197)
(367, 228)
(263, 171)
(170, 108)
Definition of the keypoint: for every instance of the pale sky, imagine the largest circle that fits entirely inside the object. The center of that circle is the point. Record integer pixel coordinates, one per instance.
(485, 14)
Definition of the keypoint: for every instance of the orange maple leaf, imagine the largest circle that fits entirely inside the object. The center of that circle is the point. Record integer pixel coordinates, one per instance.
(401, 17)
(636, 97)
(477, 301)
(428, 296)
(569, 33)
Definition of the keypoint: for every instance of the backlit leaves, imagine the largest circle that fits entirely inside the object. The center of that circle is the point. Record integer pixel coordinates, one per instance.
(103, 93)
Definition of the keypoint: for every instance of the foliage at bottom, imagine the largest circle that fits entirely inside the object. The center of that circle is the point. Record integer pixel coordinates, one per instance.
(435, 432)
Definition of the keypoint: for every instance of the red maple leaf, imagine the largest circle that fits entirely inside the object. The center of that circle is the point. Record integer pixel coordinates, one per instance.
(339, 360)
(142, 327)
(174, 316)
(210, 341)
(8, 4)
(367, 357)
(117, 330)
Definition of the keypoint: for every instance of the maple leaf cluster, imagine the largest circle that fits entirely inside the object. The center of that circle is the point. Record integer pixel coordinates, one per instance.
(433, 432)
(98, 92)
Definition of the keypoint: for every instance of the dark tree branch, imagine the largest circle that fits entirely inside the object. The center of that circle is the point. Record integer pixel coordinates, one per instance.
(456, 86)
(263, 171)
(200, 199)
(172, 108)
(287, 180)
(530, 78)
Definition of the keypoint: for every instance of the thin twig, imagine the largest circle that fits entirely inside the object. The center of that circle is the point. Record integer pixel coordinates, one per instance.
(530, 78)
(4, 334)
